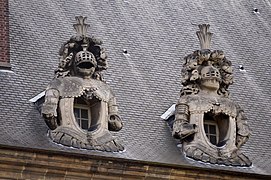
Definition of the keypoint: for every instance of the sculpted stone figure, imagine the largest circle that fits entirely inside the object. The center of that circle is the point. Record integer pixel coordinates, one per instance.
(210, 126)
(80, 108)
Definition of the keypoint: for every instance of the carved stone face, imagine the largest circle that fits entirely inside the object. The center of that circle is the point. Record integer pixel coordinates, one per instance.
(85, 63)
(210, 77)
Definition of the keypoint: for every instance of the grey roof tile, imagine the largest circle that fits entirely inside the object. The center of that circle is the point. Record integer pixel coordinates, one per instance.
(157, 35)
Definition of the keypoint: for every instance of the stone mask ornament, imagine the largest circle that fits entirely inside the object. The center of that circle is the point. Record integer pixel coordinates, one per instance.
(80, 108)
(210, 126)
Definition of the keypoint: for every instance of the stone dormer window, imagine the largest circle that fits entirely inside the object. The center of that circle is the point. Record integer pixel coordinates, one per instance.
(210, 126)
(79, 107)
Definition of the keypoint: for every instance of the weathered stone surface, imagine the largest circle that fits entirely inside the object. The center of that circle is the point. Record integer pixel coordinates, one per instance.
(206, 76)
(29, 164)
(79, 76)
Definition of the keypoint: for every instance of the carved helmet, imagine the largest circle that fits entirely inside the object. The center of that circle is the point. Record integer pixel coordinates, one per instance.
(85, 62)
(210, 72)
(85, 59)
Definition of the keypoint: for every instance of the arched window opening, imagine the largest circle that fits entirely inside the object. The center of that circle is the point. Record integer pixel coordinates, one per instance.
(216, 128)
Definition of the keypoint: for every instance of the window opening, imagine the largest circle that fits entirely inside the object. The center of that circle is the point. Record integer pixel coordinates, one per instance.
(82, 113)
(211, 131)
(216, 128)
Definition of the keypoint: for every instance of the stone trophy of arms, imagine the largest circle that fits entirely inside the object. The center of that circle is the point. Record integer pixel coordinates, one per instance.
(211, 127)
(80, 108)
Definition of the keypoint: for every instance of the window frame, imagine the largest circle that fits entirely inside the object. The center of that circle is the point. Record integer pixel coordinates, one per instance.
(82, 107)
(208, 135)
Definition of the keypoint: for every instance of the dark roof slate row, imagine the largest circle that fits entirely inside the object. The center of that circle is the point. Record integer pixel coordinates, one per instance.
(157, 35)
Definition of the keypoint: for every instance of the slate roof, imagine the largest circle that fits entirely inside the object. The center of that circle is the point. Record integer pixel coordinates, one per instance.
(157, 35)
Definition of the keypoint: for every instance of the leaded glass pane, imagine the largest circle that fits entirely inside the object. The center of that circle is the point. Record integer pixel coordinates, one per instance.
(84, 113)
(76, 112)
(213, 139)
(206, 128)
(84, 124)
(212, 129)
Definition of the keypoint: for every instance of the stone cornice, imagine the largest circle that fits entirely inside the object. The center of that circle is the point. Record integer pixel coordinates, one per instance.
(26, 163)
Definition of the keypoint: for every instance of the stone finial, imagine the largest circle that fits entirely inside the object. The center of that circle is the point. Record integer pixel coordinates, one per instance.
(204, 36)
(81, 28)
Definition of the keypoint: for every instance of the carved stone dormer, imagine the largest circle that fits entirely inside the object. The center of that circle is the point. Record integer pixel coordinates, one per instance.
(211, 127)
(80, 108)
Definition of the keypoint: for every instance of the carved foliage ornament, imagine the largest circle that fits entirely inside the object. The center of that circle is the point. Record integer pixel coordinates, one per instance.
(78, 81)
(211, 127)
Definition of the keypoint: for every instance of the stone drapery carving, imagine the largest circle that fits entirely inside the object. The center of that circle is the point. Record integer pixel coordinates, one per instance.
(206, 76)
(79, 77)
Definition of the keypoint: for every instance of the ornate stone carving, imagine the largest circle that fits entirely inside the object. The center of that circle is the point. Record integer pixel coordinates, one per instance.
(206, 76)
(79, 77)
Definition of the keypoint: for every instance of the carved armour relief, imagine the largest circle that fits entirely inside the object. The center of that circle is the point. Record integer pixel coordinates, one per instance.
(79, 79)
(211, 127)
